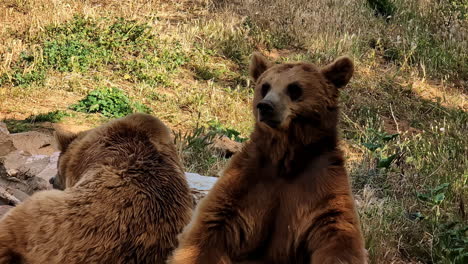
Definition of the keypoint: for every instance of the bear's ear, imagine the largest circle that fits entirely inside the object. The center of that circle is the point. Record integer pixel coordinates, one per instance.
(258, 65)
(64, 139)
(339, 72)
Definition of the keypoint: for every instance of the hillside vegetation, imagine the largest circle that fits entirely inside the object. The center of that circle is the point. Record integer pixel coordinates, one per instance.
(404, 120)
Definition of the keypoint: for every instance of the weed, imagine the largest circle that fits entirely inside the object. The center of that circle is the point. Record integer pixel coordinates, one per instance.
(194, 149)
(158, 97)
(377, 144)
(18, 126)
(83, 44)
(383, 8)
(219, 129)
(31, 122)
(235, 48)
(20, 78)
(451, 245)
(406, 66)
(432, 37)
(110, 102)
(54, 117)
(203, 72)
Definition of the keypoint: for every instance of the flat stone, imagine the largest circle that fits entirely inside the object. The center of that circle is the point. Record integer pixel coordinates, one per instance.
(35, 143)
(199, 182)
(199, 185)
(14, 160)
(19, 170)
(22, 163)
(51, 168)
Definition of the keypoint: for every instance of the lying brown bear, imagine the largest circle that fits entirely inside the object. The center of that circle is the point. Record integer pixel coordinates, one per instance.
(125, 200)
(286, 197)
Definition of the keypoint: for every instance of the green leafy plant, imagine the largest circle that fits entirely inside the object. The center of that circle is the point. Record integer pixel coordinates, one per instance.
(193, 147)
(377, 144)
(203, 72)
(18, 126)
(452, 242)
(434, 196)
(110, 102)
(196, 140)
(83, 44)
(217, 128)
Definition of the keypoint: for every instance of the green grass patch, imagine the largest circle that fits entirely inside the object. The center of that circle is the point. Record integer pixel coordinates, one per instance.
(217, 128)
(18, 126)
(32, 122)
(110, 102)
(125, 46)
(54, 117)
(422, 168)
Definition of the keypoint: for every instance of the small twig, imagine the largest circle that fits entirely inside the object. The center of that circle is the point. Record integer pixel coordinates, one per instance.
(358, 127)
(436, 170)
(394, 119)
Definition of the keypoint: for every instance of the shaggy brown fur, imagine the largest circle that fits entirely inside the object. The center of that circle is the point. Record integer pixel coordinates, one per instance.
(125, 200)
(286, 197)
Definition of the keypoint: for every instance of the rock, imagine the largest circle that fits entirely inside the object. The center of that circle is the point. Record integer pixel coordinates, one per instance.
(19, 171)
(226, 146)
(199, 182)
(20, 164)
(6, 145)
(4, 209)
(25, 164)
(51, 169)
(4, 129)
(196, 196)
(199, 185)
(7, 198)
(33, 142)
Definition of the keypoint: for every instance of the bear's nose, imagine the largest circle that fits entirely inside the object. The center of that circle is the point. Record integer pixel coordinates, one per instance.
(265, 107)
(52, 180)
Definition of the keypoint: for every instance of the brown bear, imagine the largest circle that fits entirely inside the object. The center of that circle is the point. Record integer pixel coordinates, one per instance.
(286, 197)
(125, 199)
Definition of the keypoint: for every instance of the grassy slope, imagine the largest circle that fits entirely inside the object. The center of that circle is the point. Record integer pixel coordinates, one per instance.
(186, 61)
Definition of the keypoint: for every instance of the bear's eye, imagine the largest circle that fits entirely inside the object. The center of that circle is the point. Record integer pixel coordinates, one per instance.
(294, 91)
(265, 88)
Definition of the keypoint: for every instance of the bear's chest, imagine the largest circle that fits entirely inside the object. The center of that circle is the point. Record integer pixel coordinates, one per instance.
(286, 229)
(292, 225)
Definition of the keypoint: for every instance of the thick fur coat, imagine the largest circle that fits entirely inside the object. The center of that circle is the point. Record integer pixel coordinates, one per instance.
(286, 198)
(125, 199)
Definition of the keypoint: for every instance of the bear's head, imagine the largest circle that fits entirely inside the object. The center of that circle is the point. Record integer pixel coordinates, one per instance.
(291, 94)
(63, 140)
(117, 144)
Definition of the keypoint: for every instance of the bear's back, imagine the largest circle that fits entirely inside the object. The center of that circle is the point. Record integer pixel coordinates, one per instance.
(128, 204)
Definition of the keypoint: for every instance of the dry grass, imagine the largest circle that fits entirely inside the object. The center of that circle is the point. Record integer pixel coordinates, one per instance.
(426, 36)
(411, 79)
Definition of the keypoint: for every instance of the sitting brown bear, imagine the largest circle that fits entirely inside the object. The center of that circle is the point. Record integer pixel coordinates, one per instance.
(125, 200)
(286, 197)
